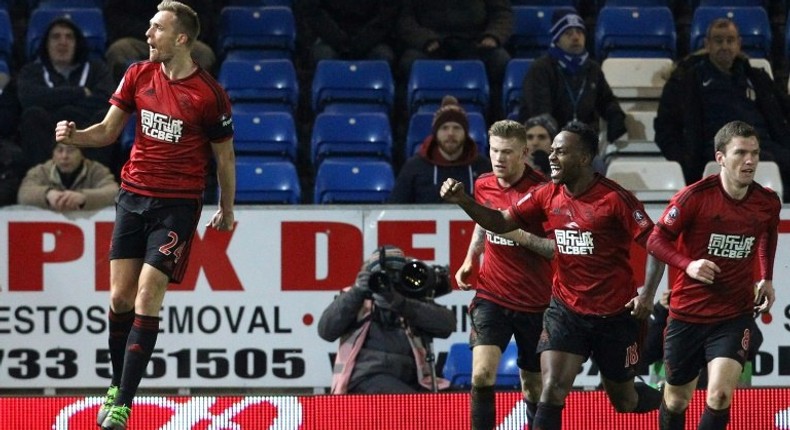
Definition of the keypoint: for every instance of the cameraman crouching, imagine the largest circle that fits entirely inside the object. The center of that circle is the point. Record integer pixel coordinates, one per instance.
(383, 334)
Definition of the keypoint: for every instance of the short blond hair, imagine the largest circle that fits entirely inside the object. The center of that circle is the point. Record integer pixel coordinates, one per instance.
(187, 21)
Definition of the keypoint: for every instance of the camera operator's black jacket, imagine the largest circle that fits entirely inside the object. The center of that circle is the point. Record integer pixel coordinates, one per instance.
(353, 308)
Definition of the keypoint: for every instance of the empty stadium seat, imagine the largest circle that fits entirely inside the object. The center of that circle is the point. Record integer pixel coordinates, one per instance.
(260, 85)
(364, 135)
(261, 3)
(353, 86)
(767, 175)
(89, 19)
(640, 3)
(720, 3)
(420, 126)
(753, 27)
(430, 80)
(458, 367)
(513, 84)
(637, 78)
(640, 125)
(66, 3)
(257, 32)
(762, 63)
(642, 31)
(651, 179)
(531, 29)
(267, 134)
(353, 181)
(266, 181)
(567, 3)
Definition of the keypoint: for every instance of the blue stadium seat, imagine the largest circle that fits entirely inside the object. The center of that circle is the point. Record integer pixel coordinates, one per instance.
(353, 181)
(458, 367)
(353, 86)
(266, 134)
(568, 3)
(635, 32)
(513, 84)
(260, 85)
(430, 80)
(753, 25)
(261, 3)
(66, 3)
(265, 181)
(257, 32)
(89, 19)
(127, 135)
(364, 135)
(420, 127)
(728, 3)
(637, 3)
(531, 29)
(6, 36)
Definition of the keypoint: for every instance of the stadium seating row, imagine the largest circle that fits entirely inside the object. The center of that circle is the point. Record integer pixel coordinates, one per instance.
(623, 28)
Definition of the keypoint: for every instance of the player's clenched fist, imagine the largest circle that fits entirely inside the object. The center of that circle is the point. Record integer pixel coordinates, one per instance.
(452, 190)
(64, 130)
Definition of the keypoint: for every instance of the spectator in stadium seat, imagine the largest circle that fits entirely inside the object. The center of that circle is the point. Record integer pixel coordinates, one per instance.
(569, 85)
(349, 29)
(455, 30)
(710, 89)
(383, 334)
(541, 130)
(448, 152)
(127, 22)
(62, 82)
(68, 182)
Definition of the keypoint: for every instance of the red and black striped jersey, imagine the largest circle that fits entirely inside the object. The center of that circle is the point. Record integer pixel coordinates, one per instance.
(176, 122)
(594, 232)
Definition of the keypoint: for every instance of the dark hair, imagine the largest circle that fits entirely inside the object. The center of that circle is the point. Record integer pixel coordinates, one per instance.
(509, 129)
(186, 18)
(720, 23)
(731, 130)
(588, 136)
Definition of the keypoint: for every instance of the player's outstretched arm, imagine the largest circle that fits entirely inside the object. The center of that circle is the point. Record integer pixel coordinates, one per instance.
(493, 220)
(100, 134)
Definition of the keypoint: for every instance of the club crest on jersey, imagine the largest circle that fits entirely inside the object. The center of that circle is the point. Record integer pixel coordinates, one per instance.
(161, 127)
(672, 215)
(640, 218)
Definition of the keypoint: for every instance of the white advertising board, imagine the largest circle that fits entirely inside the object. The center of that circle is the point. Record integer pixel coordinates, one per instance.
(246, 313)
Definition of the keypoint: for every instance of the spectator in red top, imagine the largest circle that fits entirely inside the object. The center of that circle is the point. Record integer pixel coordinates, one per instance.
(595, 310)
(712, 231)
(183, 116)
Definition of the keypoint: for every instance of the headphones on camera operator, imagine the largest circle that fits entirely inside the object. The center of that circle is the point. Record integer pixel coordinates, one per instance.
(410, 277)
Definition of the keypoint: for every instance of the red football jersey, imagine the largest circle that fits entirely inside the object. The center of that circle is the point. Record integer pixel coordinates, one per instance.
(593, 232)
(511, 275)
(707, 223)
(176, 121)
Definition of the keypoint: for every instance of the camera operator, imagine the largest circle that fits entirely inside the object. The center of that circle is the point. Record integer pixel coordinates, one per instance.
(385, 323)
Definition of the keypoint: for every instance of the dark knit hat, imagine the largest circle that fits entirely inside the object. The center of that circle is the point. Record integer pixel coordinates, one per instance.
(546, 121)
(450, 111)
(562, 20)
